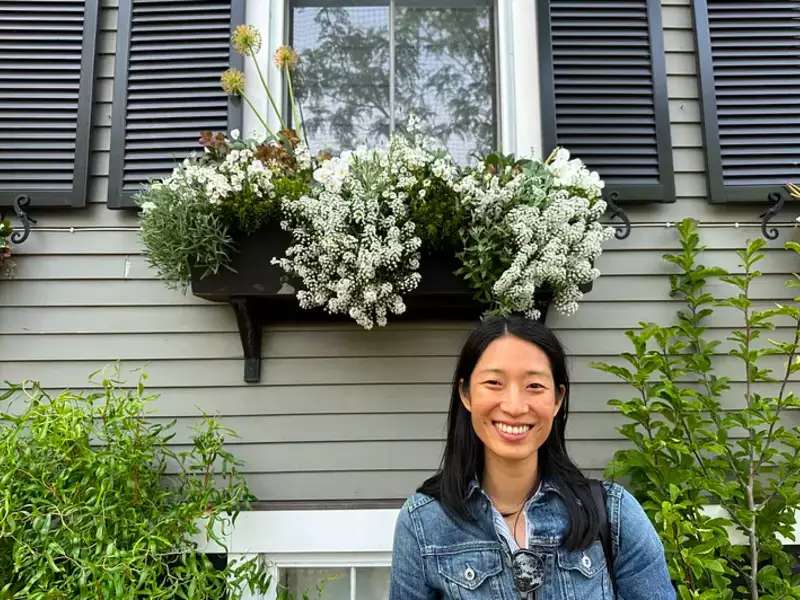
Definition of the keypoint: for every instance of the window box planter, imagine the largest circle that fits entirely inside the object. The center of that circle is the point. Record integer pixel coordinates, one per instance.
(259, 296)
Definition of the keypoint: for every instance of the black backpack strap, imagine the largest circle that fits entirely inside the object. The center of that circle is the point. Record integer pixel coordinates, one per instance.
(599, 496)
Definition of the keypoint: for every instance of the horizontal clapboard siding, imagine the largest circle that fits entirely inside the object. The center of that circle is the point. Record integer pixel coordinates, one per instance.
(47, 62)
(748, 54)
(291, 344)
(122, 293)
(342, 414)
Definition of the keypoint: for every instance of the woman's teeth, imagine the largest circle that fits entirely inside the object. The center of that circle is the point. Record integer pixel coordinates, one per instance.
(512, 429)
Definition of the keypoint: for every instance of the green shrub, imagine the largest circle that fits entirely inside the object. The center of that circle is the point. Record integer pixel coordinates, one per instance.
(692, 447)
(94, 504)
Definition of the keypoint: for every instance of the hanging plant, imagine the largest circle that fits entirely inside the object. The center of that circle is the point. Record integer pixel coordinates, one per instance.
(192, 219)
(531, 226)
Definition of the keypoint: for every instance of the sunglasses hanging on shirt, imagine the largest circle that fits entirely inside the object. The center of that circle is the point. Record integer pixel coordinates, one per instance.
(528, 570)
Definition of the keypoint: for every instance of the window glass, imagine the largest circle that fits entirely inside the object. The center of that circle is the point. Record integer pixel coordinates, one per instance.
(371, 583)
(351, 92)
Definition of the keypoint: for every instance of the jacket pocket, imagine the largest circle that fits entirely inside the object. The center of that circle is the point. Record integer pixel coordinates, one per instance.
(584, 572)
(469, 570)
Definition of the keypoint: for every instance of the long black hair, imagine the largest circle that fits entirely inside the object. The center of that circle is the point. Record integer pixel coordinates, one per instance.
(463, 456)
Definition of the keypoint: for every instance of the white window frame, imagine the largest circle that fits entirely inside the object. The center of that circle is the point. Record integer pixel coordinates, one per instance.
(517, 67)
(309, 539)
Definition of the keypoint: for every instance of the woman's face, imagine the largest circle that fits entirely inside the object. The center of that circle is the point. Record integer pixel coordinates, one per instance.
(512, 398)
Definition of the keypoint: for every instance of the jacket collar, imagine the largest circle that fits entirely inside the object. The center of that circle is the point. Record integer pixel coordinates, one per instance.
(546, 486)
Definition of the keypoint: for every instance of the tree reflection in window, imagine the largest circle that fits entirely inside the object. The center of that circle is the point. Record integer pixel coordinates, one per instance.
(443, 71)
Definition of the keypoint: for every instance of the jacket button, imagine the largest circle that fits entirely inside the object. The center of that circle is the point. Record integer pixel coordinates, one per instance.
(586, 561)
(469, 574)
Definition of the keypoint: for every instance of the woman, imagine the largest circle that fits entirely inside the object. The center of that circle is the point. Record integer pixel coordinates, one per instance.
(508, 515)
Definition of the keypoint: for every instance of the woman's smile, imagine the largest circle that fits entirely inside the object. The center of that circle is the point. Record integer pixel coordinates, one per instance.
(512, 432)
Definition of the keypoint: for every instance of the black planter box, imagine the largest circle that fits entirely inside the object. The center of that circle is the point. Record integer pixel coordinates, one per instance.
(258, 294)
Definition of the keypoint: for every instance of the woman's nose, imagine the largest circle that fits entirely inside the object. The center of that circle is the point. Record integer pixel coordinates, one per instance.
(514, 402)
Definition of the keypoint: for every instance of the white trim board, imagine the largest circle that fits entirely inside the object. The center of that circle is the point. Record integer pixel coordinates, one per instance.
(322, 535)
(288, 533)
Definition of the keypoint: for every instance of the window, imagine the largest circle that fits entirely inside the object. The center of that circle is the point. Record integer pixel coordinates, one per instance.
(349, 550)
(339, 583)
(365, 66)
(509, 106)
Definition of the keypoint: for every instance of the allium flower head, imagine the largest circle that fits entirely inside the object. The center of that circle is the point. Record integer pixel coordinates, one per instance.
(285, 56)
(246, 39)
(232, 82)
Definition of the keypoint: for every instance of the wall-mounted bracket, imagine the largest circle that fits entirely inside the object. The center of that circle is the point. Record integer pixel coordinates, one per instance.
(250, 327)
(621, 230)
(776, 200)
(21, 202)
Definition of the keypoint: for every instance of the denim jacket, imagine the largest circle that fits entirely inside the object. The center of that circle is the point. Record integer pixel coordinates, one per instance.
(439, 556)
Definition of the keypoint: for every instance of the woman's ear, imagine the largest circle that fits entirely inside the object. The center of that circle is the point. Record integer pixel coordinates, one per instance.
(463, 392)
(562, 391)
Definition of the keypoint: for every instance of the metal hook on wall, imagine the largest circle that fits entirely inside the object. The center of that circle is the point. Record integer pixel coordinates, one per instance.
(621, 230)
(777, 201)
(21, 202)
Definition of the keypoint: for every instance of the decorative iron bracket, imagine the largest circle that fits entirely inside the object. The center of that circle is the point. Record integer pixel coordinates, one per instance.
(621, 230)
(776, 200)
(249, 322)
(21, 202)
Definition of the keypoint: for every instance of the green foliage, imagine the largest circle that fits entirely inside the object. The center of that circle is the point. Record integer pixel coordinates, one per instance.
(87, 509)
(698, 440)
(180, 232)
(438, 216)
(6, 264)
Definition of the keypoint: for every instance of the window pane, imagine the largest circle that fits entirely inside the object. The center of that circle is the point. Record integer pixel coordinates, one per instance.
(343, 75)
(330, 584)
(372, 583)
(445, 72)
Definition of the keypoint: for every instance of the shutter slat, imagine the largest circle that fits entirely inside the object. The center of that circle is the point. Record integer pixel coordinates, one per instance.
(47, 57)
(749, 70)
(173, 54)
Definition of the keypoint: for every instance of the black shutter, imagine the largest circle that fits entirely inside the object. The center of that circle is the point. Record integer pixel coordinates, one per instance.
(47, 56)
(604, 92)
(170, 54)
(748, 56)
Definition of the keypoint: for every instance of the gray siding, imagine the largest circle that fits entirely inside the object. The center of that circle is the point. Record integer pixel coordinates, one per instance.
(341, 413)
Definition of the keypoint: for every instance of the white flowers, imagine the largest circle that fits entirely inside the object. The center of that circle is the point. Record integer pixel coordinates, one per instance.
(534, 231)
(354, 248)
(573, 174)
(363, 222)
(216, 181)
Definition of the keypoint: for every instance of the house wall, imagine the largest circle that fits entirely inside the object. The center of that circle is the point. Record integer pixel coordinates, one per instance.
(343, 414)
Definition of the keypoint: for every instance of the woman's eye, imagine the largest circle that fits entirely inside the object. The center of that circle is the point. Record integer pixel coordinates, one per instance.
(535, 386)
(492, 382)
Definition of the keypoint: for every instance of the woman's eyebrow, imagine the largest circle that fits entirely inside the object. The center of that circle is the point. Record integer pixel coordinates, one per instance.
(502, 372)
